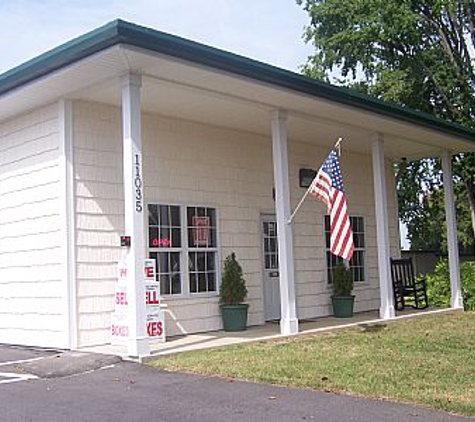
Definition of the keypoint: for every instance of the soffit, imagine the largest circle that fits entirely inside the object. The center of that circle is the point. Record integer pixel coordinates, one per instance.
(173, 87)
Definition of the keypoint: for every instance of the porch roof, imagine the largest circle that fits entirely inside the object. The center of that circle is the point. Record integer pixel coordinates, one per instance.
(219, 82)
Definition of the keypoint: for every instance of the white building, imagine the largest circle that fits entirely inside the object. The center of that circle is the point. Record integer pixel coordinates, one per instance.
(202, 132)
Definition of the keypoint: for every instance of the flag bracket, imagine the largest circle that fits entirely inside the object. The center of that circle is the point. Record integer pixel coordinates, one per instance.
(337, 146)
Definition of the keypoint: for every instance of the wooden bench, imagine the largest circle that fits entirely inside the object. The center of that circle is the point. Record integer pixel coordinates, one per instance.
(408, 291)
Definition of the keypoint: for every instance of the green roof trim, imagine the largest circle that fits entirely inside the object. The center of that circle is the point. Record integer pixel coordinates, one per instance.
(121, 32)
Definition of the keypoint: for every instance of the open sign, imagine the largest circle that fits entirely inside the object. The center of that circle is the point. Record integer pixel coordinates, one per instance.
(166, 243)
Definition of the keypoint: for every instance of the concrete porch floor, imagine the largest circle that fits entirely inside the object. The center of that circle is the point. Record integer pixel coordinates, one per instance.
(269, 331)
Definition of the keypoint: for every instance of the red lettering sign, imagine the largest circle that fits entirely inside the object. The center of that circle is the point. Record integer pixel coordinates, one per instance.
(149, 272)
(120, 330)
(121, 298)
(152, 298)
(161, 242)
(155, 329)
(201, 230)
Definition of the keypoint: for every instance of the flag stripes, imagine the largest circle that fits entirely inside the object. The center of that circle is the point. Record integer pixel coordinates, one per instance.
(328, 187)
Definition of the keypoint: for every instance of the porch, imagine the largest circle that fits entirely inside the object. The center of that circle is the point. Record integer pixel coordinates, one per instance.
(268, 332)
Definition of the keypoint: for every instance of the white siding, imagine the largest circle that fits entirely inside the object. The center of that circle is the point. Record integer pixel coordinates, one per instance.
(313, 292)
(99, 208)
(191, 163)
(32, 302)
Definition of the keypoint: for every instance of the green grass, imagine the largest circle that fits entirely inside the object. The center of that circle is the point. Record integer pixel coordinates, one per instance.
(427, 360)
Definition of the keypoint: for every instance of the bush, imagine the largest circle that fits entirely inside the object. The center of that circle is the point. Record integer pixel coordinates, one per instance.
(233, 289)
(438, 285)
(342, 281)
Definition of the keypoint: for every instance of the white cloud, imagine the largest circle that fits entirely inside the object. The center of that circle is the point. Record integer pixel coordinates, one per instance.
(267, 30)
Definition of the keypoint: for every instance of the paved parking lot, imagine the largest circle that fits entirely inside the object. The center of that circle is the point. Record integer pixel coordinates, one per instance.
(13, 353)
(12, 360)
(49, 386)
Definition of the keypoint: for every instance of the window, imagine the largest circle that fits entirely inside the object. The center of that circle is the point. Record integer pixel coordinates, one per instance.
(184, 237)
(357, 262)
(202, 249)
(164, 241)
(271, 252)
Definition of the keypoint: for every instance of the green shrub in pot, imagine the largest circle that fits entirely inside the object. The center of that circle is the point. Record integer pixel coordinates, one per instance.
(233, 292)
(342, 285)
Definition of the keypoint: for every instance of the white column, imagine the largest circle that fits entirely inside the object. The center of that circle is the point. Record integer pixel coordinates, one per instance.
(138, 342)
(288, 322)
(386, 310)
(451, 221)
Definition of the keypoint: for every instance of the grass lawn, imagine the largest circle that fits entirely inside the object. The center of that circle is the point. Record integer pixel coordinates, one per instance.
(427, 360)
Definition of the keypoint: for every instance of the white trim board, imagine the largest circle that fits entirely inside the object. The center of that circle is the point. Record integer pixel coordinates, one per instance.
(68, 252)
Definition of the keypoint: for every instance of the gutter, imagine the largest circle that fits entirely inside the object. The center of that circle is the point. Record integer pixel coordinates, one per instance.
(122, 32)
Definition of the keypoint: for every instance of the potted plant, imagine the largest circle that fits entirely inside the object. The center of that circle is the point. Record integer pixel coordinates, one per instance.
(233, 293)
(342, 299)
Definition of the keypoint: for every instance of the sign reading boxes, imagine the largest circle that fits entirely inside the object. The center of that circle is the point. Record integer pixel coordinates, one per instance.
(155, 319)
(119, 319)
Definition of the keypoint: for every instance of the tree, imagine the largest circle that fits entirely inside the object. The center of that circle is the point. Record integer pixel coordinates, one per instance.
(233, 290)
(419, 54)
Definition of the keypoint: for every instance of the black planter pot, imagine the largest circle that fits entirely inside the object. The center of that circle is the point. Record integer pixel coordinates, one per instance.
(234, 317)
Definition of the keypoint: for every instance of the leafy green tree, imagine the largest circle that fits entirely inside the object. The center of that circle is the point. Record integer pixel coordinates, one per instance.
(419, 54)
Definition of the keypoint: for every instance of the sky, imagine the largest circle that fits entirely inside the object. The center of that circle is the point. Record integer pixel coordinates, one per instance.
(266, 30)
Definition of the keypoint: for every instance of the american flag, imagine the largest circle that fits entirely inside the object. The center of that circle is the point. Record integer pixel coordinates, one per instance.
(328, 186)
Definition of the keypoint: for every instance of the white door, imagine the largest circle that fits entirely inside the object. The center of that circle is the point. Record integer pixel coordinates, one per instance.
(271, 268)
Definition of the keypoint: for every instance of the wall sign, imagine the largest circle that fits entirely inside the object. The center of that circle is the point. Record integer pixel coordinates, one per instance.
(201, 230)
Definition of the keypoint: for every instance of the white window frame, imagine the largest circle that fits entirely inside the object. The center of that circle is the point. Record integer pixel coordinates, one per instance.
(185, 249)
(179, 250)
(364, 250)
(196, 249)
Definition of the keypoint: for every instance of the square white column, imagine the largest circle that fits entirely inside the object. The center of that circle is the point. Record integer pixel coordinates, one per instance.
(138, 342)
(452, 242)
(288, 322)
(386, 311)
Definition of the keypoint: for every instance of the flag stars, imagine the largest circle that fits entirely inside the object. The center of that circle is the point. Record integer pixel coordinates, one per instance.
(332, 168)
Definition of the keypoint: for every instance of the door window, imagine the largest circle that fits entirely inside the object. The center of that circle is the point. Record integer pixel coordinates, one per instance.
(271, 253)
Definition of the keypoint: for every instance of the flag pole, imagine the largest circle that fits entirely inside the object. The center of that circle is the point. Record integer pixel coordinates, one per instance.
(336, 146)
(300, 203)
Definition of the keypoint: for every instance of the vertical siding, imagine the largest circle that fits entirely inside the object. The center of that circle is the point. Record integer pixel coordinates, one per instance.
(195, 164)
(32, 303)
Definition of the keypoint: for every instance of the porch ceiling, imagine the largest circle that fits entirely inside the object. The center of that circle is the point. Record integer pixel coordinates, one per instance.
(178, 88)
